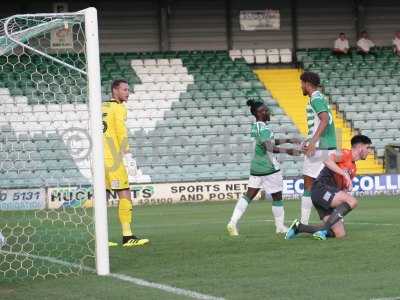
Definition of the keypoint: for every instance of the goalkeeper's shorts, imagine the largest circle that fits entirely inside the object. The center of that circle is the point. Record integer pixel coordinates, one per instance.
(116, 175)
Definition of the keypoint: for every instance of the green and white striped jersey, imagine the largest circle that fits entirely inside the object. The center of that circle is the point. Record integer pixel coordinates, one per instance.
(316, 105)
(263, 162)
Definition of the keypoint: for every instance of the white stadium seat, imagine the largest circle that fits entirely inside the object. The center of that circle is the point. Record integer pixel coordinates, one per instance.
(165, 87)
(167, 70)
(260, 56)
(285, 55)
(67, 107)
(151, 70)
(150, 62)
(179, 87)
(163, 62)
(136, 62)
(176, 62)
(273, 56)
(140, 69)
(139, 88)
(248, 55)
(160, 78)
(146, 78)
(4, 91)
(54, 108)
(172, 78)
(235, 53)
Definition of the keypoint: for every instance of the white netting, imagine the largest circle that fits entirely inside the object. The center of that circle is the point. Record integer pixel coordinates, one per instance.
(44, 148)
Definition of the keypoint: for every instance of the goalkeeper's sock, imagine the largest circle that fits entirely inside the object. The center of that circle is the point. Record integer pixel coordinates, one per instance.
(240, 208)
(279, 213)
(125, 216)
(306, 206)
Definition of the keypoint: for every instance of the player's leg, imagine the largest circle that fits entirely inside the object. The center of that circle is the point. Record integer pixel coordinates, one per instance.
(118, 181)
(311, 169)
(125, 208)
(273, 185)
(125, 211)
(322, 207)
(278, 212)
(306, 203)
(337, 230)
(342, 203)
(242, 204)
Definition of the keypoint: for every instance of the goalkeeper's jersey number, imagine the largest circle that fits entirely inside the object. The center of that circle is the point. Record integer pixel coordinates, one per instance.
(105, 126)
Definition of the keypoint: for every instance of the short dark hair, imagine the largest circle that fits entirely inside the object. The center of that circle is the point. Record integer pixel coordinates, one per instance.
(342, 33)
(311, 77)
(364, 31)
(360, 139)
(117, 82)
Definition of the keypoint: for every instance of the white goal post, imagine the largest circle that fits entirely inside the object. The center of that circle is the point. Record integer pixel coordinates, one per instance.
(15, 36)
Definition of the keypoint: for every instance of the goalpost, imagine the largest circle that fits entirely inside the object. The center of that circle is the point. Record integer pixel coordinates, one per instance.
(51, 141)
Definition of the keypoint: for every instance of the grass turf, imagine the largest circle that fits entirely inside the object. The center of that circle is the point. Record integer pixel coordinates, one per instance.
(190, 249)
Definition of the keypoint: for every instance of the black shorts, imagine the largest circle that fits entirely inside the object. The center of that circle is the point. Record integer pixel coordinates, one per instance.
(322, 196)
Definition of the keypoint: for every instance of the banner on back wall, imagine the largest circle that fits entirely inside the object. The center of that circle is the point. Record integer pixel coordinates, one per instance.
(62, 38)
(251, 20)
(69, 197)
(387, 184)
(22, 199)
(166, 193)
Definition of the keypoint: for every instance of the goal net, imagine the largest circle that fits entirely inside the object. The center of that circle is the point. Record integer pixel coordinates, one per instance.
(50, 128)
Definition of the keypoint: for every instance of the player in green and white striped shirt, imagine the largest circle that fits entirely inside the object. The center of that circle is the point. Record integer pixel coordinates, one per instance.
(264, 169)
(321, 140)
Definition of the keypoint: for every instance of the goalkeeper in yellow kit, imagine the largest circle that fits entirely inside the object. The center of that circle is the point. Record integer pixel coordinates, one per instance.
(118, 160)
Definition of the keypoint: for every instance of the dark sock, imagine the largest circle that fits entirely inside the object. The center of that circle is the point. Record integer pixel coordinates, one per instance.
(337, 214)
(330, 234)
(309, 228)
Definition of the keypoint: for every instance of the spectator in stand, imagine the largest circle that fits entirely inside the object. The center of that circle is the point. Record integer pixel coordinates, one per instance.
(396, 43)
(341, 46)
(365, 45)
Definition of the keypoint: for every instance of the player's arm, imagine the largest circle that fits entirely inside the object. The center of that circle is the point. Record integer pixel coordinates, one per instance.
(324, 120)
(271, 147)
(288, 141)
(331, 163)
(321, 108)
(122, 136)
(121, 130)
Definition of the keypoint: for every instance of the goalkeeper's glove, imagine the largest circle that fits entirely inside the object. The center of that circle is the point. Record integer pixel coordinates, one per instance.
(130, 164)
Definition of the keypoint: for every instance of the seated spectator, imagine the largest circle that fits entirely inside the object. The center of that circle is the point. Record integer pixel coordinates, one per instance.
(365, 45)
(341, 46)
(396, 43)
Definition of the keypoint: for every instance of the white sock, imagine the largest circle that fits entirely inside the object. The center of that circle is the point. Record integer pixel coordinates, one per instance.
(306, 205)
(240, 208)
(279, 215)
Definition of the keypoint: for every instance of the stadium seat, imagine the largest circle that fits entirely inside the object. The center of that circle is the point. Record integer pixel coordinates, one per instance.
(273, 56)
(248, 55)
(260, 56)
(285, 55)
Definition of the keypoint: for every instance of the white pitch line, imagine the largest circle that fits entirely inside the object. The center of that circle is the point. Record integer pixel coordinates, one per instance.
(359, 223)
(251, 221)
(387, 298)
(123, 277)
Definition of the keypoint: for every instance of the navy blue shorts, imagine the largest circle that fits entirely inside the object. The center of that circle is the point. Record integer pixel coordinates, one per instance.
(322, 196)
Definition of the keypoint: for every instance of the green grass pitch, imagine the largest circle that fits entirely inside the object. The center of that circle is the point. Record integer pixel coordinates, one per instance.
(190, 249)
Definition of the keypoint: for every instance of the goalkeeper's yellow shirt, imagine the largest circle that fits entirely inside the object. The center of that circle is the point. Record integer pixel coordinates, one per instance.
(115, 133)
